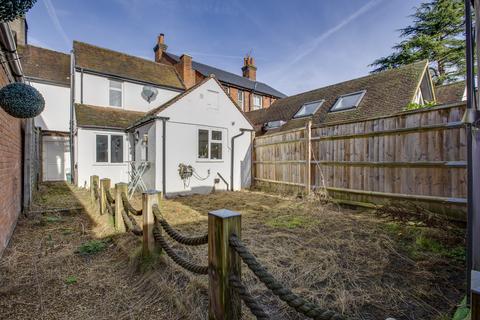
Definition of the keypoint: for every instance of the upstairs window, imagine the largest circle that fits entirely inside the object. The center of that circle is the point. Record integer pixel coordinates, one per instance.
(115, 93)
(240, 100)
(348, 101)
(309, 109)
(210, 144)
(257, 102)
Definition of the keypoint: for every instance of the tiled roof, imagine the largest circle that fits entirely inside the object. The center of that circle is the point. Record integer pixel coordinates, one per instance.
(449, 93)
(45, 64)
(231, 78)
(125, 66)
(102, 117)
(387, 92)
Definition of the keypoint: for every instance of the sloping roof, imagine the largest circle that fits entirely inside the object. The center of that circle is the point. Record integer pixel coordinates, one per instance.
(152, 113)
(449, 93)
(125, 66)
(45, 64)
(231, 78)
(387, 92)
(103, 117)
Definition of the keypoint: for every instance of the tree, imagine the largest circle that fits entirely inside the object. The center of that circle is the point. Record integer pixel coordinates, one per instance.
(13, 9)
(436, 35)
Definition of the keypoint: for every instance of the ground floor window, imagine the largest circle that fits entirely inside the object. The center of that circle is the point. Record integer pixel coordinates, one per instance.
(109, 145)
(210, 144)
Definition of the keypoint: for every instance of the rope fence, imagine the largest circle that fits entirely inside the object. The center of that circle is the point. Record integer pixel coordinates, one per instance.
(226, 252)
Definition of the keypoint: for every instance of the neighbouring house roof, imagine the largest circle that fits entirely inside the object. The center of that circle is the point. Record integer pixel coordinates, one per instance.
(231, 78)
(103, 117)
(450, 93)
(45, 64)
(387, 92)
(125, 66)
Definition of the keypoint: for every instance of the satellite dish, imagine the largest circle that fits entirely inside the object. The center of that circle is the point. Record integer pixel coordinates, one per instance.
(149, 93)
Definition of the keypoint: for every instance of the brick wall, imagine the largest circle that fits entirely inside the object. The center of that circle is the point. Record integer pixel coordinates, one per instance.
(11, 133)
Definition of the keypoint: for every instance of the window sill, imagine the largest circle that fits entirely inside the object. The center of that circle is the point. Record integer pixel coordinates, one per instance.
(209, 160)
(109, 164)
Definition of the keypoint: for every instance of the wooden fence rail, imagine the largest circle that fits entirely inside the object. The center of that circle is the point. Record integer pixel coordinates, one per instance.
(417, 156)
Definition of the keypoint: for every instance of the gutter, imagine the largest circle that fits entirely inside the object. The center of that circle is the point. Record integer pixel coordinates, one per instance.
(10, 49)
(232, 157)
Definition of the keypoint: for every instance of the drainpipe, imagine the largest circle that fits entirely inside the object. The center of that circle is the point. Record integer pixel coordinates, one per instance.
(232, 157)
(72, 102)
(164, 156)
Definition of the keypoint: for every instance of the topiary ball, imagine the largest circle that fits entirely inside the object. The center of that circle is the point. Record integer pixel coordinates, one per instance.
(21, 100)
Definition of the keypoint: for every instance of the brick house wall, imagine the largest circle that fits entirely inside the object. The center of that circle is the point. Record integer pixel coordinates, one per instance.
(11, 166)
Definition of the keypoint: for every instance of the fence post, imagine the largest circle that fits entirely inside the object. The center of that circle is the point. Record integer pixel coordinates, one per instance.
(104, 185)
(308, 157)
(119, 189)
(93, 180)
(149, 198)
(223, 261)
(475, 305)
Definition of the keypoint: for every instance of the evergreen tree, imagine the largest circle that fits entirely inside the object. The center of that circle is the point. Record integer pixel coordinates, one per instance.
(437, 35)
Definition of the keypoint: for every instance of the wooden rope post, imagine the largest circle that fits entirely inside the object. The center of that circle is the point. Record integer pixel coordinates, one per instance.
(475, 305)
(104, 185)
(308, 157)
(119, 189)
(93, 180)
(223, 261)
(149, 198)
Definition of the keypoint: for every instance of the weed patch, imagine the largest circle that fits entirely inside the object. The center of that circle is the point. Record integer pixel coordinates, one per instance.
(71, 280)
(288, 222)
(92, 247)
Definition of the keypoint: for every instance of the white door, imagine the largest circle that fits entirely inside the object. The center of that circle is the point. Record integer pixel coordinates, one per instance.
(56, 159)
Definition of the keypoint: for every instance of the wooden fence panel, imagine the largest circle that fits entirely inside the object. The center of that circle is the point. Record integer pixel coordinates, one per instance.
(418, 155)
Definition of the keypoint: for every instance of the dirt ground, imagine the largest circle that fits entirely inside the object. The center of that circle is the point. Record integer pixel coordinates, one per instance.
(72, 265)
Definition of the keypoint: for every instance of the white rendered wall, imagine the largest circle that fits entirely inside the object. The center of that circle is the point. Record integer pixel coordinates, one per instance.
(207, 107)
(96, 92)
(86, 156)
(56, 115)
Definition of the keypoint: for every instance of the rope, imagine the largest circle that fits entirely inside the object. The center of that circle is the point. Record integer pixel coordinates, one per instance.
(131, 224)
(176, 258)
(110, 209)
(128, 207)
(293, 300)
(109, 197)
(175, 235)
(249, 300)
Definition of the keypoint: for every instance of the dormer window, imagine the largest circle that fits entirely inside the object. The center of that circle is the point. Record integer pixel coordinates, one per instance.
(274, 124)
(348, 101)
(115, 93)
(309, 109)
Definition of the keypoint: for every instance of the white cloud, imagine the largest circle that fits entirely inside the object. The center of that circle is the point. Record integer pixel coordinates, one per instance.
(54, 18)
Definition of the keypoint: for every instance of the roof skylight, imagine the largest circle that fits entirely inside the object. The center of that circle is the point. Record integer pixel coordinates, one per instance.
(348, 101)
(309, 109)
(274, 124)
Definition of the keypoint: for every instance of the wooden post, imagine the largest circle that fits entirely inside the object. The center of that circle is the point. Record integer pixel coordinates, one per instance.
(223, 261)
(308, 157)
(104, 185)
(149, 198)
(119, 189)
(93, 180)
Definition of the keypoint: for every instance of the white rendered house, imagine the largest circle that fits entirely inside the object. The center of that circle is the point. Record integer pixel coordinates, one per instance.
(202, 130)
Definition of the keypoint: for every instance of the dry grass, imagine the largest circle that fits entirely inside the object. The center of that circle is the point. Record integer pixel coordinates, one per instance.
(354, 262)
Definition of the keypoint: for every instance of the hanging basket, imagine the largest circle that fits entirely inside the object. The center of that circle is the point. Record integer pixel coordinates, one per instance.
(21, 100)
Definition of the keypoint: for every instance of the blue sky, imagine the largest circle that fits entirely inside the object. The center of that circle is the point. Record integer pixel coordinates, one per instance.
(298, 45)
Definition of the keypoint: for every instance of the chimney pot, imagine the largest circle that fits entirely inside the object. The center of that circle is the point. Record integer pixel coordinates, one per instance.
(249, 70)
(160, 47)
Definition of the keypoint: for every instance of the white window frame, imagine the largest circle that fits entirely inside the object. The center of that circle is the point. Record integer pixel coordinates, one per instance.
(257, 106)
(241, 93)
(419, 97)
(361, 93)
(227, 90)
(109, 149)
(210, 141)
(110, 88)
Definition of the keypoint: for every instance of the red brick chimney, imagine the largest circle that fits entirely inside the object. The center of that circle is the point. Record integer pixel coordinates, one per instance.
(160, 47)
(185, 70)
(249, 69)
